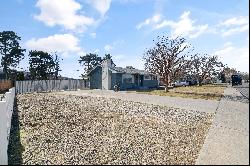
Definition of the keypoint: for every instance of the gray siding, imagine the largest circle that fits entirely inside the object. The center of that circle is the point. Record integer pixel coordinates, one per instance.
(128, 86)
(150, 83)
(96, 78)
(116, 78)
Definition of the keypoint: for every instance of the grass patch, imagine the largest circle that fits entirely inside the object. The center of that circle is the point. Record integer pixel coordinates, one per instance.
(205, 89)
(208, 92)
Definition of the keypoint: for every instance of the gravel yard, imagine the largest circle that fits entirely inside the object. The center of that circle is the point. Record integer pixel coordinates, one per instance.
(67, 129)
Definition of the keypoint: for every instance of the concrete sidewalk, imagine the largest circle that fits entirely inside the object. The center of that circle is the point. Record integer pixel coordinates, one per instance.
(202, 105)
(227, 142)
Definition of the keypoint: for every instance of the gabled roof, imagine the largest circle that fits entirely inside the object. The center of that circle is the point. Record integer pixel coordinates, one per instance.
(93, 69)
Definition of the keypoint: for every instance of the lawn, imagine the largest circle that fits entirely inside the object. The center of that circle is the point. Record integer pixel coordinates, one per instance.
(66, 129)
(208, 92)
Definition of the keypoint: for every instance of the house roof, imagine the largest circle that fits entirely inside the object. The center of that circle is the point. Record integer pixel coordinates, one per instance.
(92, 70)
(130, 70)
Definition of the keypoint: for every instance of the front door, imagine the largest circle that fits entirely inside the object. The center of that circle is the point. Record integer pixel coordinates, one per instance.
(141, 80)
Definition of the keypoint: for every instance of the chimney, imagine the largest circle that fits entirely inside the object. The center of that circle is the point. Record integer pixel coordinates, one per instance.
(106, 75)
(106, 63)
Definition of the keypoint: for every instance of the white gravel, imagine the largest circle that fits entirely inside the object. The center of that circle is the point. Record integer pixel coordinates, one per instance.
(67, 129)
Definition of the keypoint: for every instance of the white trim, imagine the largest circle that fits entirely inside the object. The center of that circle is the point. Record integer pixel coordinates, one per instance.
(114, 71)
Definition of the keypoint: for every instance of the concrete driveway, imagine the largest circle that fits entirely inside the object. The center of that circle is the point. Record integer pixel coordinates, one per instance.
(202, 105)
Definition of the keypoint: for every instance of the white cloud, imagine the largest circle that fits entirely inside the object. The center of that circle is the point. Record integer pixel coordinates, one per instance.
(108, 47)
(184, 27)
(118, 57)
(102, 6)
(188, 27)
(235, 57)
(234, 25)
(123, 60)
(64, 44)
(236, 30)
(63, 13)
(152, 20)
(93, 35)
(241, 20)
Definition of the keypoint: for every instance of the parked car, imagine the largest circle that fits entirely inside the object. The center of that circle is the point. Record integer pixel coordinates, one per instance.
(180, 83)
(192, 82)
(236, 80)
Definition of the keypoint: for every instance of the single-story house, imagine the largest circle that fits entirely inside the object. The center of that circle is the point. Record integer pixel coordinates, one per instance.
(106, 76)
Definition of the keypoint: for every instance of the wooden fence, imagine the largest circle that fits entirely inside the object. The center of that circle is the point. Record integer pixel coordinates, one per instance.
(50, 85)
(5, 85)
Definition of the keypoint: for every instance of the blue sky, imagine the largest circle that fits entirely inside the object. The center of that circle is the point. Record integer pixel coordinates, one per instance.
(125, 28)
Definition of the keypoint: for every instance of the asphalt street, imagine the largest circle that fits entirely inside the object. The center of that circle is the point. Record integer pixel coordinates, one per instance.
(243, 89)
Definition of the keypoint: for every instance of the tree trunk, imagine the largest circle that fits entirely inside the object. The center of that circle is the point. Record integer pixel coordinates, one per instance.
(5, 70)
(166, 85)
(166, 88)
(200, 82)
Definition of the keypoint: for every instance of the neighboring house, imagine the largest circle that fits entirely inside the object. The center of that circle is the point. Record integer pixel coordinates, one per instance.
(106, 76)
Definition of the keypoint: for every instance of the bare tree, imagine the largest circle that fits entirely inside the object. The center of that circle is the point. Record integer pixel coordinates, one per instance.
(228, 72)
(245, 76)
(204, 66)
(167, 58)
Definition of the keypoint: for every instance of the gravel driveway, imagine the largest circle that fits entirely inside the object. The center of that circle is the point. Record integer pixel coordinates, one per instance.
(66, 129)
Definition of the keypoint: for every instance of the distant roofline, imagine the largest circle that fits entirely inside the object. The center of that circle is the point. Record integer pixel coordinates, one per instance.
(123, 68)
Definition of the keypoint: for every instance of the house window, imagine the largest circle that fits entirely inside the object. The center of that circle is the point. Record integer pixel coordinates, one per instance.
(147, 77)
(154, 78)
(127, 78)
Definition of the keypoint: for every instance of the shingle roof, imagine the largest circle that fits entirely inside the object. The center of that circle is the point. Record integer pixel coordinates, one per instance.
(130, 70)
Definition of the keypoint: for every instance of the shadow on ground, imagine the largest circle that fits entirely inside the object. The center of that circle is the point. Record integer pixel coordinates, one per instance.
(15, 147)
(236, 98)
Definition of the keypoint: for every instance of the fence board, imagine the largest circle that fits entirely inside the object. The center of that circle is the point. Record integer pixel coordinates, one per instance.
(50, 85)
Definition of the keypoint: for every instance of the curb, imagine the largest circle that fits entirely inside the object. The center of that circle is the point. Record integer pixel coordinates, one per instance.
(243, 95)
